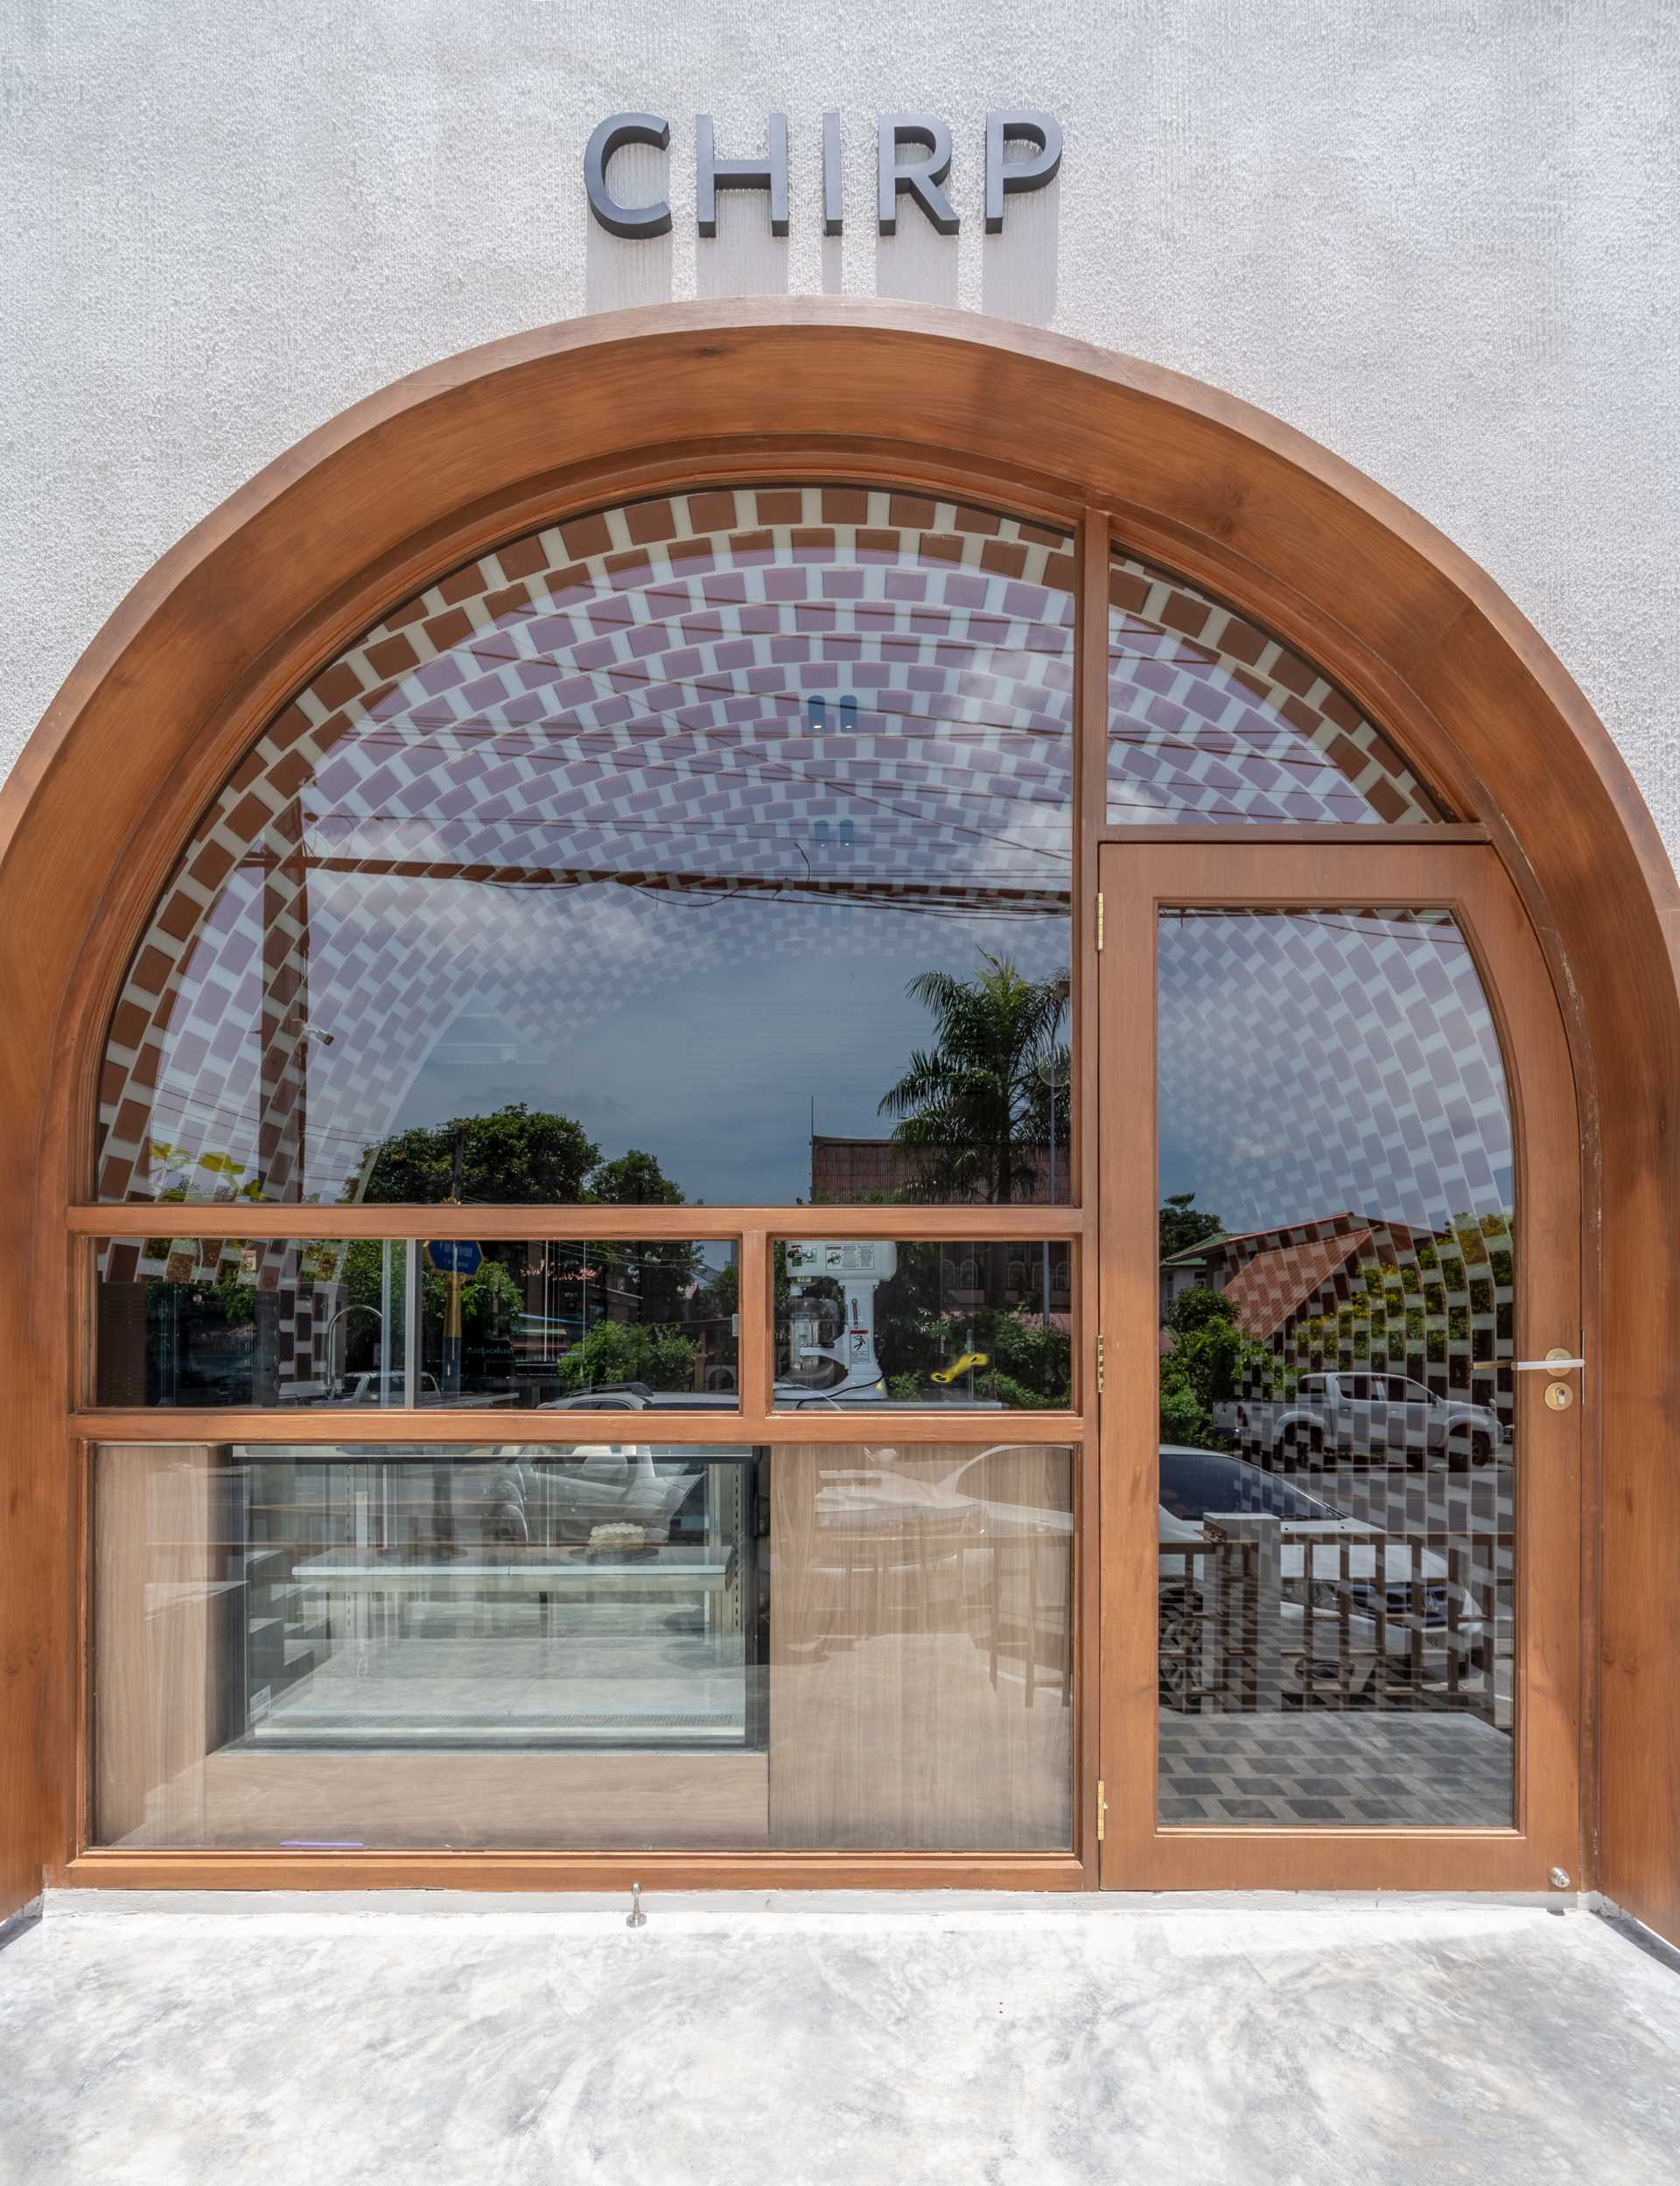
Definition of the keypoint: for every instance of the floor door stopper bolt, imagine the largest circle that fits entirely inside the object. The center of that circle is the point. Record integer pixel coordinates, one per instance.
(635, 1917)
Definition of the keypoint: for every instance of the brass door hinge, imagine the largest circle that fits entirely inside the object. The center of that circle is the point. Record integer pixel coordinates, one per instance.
(1099, 1366)
(1099, 924)
(1102, 1811)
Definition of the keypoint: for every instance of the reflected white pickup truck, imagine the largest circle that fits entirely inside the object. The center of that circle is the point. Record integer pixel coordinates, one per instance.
(1380, 1418)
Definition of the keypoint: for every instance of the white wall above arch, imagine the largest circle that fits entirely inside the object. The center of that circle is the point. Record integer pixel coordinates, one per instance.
(1438, 240)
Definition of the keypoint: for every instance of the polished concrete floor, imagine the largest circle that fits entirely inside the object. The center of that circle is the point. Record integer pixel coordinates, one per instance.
(805, 2041)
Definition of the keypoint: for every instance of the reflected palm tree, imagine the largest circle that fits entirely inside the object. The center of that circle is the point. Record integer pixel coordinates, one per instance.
(985, 1109)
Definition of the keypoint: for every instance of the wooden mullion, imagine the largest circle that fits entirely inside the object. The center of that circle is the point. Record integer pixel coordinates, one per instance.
(1091, 690)
(80, 1468)
(82, 1296)
(1089, 725)
(1128, 1304)
(1084, 1580)
(1091, 812)
(756, 1351)
(255, 1219)
(1091, 742)
(1305, 834)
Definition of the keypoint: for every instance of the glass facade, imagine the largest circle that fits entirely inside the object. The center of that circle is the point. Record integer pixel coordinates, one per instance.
(219, 1323)
(545, 1324)
(715, 852)
(600, 1646)
(968, 1326)
(1338, 1485)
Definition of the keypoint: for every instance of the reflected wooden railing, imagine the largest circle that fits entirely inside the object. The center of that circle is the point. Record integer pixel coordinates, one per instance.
(1278, 1615)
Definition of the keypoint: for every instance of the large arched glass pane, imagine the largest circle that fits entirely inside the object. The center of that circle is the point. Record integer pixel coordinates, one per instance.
(714, 848)
(1213, 721)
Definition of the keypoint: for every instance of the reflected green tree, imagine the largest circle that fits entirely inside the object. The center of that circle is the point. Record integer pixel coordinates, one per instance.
(633, 1180)
(659, 1274)
(1210, 1359)
(490, 1299)
(515, 1156)
(1183, 1225)
(1414, 1304)
(1029, 1359)
(617, 1351)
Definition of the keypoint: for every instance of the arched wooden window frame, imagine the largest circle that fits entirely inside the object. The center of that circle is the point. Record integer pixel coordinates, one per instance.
(441, 466)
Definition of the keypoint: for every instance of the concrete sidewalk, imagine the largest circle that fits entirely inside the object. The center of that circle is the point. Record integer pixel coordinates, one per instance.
(833, 2041)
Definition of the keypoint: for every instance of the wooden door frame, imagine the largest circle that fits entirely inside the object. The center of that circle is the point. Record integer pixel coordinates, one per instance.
(475, 450)
(1138, 881)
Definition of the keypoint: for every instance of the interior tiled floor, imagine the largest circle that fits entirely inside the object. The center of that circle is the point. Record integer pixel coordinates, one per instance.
(837, 2041)
(1359, 1767)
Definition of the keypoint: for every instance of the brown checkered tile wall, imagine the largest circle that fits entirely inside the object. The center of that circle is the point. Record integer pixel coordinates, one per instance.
(1211, 718)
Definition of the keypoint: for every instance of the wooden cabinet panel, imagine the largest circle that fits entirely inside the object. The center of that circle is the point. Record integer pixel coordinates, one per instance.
(162, 1640)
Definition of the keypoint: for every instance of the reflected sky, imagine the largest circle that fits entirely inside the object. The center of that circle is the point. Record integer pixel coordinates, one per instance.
(714, 1032)
(1316, 1063)
(647, 819)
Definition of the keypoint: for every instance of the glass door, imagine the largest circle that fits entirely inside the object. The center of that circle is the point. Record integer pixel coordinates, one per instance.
(1340, 1476)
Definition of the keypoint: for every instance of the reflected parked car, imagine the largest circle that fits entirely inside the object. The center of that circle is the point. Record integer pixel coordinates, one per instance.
(365, 1389)
(526, 1500)
(1329, 1563)
(1366, 1418)
(638, 1397)
(948, 1530)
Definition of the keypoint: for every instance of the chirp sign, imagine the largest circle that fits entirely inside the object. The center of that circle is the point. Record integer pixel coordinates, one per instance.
(913, 163)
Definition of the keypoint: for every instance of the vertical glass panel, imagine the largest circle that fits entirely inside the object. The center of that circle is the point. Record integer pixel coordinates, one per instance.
(634, 1325)
(231, 1321)
(1338, 1484)
(1212, 720)
(628, 1325)
(921, 1649)
(600, 1646)
(977, 1327)
(773, 785)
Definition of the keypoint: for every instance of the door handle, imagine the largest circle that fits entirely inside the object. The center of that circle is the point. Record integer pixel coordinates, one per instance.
(1557, 1362)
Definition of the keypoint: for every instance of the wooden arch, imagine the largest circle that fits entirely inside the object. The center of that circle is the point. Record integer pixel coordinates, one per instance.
(444, 463)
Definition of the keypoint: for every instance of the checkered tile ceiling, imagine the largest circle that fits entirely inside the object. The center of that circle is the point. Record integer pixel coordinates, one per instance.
(1212, 720)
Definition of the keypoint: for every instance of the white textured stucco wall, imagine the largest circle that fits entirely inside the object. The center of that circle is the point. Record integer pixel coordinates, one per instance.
(1443, 236)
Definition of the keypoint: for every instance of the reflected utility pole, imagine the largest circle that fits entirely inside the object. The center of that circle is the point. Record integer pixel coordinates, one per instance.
(1044, 1247)
(443, 1472)
(451, 1373)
